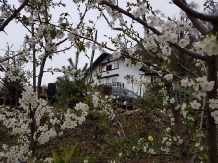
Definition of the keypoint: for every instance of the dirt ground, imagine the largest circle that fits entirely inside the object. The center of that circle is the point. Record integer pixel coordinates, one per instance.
(102, 139)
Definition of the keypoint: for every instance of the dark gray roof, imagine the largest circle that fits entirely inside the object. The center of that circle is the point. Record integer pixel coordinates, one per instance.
(100, 59)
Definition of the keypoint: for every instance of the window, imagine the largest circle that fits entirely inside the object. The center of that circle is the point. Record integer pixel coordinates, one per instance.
(116, 64)
(108, 66)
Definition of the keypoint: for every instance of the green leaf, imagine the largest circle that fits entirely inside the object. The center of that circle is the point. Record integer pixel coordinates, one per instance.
(80, 46)
(57, 158)
(25, 20)
(70, 152)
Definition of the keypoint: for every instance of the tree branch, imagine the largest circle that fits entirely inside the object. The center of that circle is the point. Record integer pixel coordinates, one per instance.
(154, 30)
(187, 69)
(184, 6)
(143, 48)
(16, 12)
(199, 25)
(142, 22)
(188, 52)
(7, 58)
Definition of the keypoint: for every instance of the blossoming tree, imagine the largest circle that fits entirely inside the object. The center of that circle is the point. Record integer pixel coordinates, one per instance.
(35, 122)
(158, 40)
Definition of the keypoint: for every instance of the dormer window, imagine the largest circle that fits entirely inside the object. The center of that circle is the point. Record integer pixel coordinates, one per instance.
(108, 66)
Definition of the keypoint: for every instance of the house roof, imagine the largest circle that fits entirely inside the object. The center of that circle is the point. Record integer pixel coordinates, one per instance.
(104, 55)
(100, 59)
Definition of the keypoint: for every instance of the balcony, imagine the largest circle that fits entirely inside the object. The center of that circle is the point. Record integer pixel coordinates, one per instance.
(115, 84)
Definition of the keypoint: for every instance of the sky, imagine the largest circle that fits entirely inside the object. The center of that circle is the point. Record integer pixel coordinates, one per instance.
(16, 32)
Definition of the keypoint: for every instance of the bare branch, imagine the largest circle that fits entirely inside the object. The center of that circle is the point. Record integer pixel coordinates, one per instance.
(143, 48)
(82, 17)
(184, 6)
(187, 69)
(106, 47)
(68, 48)
(122, 130)
(81, 20)
(16, 12)
(188, 52)
(199, 25)
(7, 58)
(154, 30)
(60, 42)
(135, 39)
(142, 22)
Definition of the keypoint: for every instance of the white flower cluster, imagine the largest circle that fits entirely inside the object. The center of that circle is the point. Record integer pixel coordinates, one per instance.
(71, 119)
(184, 41)
(184, 112)
(103, 104)
(172, 100)
(140, 11)
(75, 74)
(143, 146)
(116, 54)
(168, 37)
(46, 134)
(94, 46)
(153, 21)
(167, 143)
(195, 105)
(169, 77)
(33, 110)
(14, 68)
(208, 45)
(166, 52)
(17, 153)
(72, 35)
(204, 84)
(128, 63)
(95, 99)
(29, 97)
(213, 104)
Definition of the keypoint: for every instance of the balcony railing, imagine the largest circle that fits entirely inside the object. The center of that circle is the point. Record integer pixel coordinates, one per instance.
(116, 84)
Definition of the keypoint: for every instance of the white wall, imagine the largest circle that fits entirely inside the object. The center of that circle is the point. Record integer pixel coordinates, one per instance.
(122, 71)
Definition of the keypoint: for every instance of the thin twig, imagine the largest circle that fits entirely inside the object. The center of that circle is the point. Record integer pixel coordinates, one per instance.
(122, 129)
(186, 69)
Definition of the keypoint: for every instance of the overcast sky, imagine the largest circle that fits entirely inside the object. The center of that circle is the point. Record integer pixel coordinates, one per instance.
(16, 34)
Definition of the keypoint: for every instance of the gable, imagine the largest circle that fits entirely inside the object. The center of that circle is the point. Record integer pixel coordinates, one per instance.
(100, 59)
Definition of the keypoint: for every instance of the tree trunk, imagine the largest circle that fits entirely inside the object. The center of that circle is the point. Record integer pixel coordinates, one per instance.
(41, 71)
(186, 156)
(211, 126)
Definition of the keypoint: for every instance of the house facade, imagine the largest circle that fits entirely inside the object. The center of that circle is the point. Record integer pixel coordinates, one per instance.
(114, 70)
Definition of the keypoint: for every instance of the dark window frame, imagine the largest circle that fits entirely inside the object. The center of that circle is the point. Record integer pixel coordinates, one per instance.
(107, 64)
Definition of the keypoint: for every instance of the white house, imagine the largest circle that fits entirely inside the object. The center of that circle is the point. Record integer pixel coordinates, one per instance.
(113, 72)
